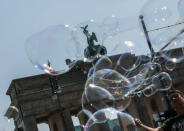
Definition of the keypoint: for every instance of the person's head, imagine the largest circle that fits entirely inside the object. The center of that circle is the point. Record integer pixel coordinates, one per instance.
(176, 98)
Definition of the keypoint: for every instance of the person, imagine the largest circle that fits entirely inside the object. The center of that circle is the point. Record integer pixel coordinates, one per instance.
(176, 123)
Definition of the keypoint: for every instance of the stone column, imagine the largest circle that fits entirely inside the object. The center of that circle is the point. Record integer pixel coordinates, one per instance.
(30, 123)
(67, 120)
(55, 122)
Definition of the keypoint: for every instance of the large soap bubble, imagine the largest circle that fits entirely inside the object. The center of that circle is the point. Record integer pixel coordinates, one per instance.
(143, 77)
(98, 97)
(108, 88)
(128, 62)
(123, 42)
(164, 38)
(53, 49)
(103, 118)
(86, 104)
(164, 25)
(124, 63)
(104, 62)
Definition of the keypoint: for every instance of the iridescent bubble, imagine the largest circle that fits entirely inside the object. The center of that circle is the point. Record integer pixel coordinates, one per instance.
(150, 90)
(98, 97)
(90, 72)
(162, 81)
(170, 66)
(136, 82)
(53, 50)
(104, 62)
(119, 41)
(124, 63)
(128, 62)
(87, 105)
(163, 23)
(114, 88)
(106, 116)
(143, 76)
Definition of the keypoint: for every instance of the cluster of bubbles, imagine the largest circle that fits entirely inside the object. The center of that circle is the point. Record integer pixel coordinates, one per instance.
(120, 71)
(105, 116)
(164, 22)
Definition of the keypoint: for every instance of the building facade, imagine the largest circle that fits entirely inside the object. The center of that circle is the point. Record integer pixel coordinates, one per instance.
(33, 97)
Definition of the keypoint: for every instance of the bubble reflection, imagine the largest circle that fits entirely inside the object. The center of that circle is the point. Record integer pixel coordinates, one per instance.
(104, 117)
(109, 85)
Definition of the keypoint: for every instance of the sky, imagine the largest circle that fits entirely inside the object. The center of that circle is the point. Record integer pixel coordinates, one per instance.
(22, 18)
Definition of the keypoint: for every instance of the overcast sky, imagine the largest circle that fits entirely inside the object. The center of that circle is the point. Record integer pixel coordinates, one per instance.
(22, 18)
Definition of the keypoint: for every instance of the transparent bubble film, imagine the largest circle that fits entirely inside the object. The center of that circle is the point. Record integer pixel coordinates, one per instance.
(103, 117)
(53, 50)
(123, 67)
(107, 88)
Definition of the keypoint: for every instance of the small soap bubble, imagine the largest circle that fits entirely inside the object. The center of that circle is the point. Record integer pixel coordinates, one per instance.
(150, 90)
(162, 81)
(53, 50)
